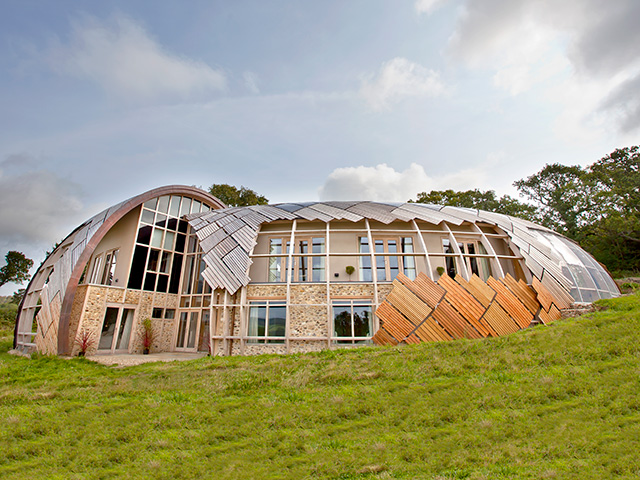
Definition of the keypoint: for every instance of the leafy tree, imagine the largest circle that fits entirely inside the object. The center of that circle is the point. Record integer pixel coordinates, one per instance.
(563, 194)
(237, 197)
(599, 205)
(17, 296)
(17, 268)
(483, 200)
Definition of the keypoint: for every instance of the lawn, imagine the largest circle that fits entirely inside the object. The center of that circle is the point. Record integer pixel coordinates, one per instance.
(549, 402)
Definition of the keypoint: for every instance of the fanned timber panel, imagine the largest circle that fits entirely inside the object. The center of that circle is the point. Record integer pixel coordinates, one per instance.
(421, 310)
(513, 306)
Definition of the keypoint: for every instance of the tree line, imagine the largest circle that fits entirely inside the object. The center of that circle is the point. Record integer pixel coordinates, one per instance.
(598, 206)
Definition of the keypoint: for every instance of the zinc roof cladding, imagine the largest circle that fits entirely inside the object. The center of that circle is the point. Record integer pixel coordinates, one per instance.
(231, 272)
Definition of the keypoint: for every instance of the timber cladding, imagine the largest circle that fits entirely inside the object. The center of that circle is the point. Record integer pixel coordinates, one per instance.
(422, 310)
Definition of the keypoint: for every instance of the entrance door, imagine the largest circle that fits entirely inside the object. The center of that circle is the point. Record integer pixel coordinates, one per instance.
(187, 330)
(116, 330)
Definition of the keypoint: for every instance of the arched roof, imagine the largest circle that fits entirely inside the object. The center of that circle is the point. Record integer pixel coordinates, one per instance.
(73, 253)
(228, 236)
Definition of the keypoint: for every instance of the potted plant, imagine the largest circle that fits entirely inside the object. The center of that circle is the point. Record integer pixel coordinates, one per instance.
(440, 270)
(349, 269)
(147, 335)
(85, 340)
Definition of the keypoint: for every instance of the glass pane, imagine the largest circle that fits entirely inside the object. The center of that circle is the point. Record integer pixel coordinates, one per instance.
(157, 313)
(362, 321)
(200, 282)
(180, 240)
(174, 209)
(473, 261)
(144, 234)
(154, 255)
(156, 238)
(176, 270)
(393, 260)
(124, 335)
(161, 220)
(170, 313)
(137, 267)
(196, 302)
(187, 280)
(193, 243)
(342, 321)
(150, 282)
(151, 204)
(165, 263)
(257, 321)
(163, 204)
(163, 282)
(183, 226)
(182, 328)
(108, 328)
(277, 321)
(184, 302)
(203, 337)
(168, 240)
(186, 206)
(303, 262)
(147, 216)
(195, 208)
(172, 224)
(193, 325)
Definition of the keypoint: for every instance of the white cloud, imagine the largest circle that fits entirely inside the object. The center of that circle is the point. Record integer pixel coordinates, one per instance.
(124, 59)
(398, 79)
(251, 82)
(36, 206)
(428, 6)
(580, 52)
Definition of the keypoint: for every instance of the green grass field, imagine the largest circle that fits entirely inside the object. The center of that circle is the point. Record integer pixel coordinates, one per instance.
(550, 402)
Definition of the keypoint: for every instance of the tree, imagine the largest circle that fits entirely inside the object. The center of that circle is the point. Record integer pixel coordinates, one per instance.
(563, 196)
(486, 200)
(599, 205)
(17, 268)
(17, 296)
(234, 197)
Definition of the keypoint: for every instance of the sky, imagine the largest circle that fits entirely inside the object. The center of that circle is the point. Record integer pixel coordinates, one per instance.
(300, 100)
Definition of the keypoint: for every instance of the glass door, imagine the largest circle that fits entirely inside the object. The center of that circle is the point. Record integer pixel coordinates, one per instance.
(115, 335)
(188, 325)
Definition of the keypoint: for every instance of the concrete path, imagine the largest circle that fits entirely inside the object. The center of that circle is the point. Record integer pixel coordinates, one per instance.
(126, 360)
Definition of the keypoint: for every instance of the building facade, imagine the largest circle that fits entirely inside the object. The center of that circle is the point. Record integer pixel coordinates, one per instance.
(295, 277)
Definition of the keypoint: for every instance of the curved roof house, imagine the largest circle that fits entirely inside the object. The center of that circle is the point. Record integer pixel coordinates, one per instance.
(298, 276)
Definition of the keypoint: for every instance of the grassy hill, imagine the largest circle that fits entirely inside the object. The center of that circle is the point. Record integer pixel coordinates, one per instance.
(549, 402)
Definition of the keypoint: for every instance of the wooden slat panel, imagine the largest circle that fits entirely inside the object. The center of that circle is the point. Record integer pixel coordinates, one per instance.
(480, 290)
(500, 320)
(507, 300)
(466, 305)
(523, 292)
(430, 292)
(394, 322)
(453, 322)
(544, 296)
(561, 297)
(382, 337)
(551, 316)
(414, 339)
(407, 303)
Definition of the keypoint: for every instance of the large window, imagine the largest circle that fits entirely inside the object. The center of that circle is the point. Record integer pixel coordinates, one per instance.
(306, 268)
(470, 249)
(389, 260)
(352, 321)
(104, 268)
(160, 244)
(267, 322)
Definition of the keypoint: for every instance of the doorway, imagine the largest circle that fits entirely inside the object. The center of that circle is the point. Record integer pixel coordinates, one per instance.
(115, 335)
(193, 331)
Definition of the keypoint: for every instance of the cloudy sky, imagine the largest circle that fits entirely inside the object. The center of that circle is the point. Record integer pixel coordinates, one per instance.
(299, 100)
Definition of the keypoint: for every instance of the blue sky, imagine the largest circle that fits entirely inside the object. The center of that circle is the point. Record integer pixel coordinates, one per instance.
(300, 100)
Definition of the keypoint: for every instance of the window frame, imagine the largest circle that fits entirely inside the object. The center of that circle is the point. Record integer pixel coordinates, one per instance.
(352, 303)
(265, 338)
(402, 257)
